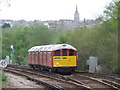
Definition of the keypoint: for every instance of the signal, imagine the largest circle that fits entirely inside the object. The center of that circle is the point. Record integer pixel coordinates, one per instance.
(3, 63)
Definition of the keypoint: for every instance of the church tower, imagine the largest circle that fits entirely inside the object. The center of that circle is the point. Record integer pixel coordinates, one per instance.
(76, 15)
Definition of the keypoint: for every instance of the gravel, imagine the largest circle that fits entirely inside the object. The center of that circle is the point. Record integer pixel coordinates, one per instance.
(16, 81)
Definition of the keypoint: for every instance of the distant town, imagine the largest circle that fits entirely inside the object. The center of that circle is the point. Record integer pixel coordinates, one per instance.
(62, 24)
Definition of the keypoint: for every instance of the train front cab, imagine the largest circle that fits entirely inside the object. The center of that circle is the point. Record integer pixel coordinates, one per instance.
(65, 60)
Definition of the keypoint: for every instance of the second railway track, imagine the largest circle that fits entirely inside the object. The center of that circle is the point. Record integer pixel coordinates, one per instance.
(108, 78)
(95, 84)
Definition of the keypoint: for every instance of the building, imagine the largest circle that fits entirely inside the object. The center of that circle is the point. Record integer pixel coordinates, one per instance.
(62, 24)
(76, 15)
(66, 24)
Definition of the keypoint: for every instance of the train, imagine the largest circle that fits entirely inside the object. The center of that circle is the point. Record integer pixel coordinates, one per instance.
(55, 57)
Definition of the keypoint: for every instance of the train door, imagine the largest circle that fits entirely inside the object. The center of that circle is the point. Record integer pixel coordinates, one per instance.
(57, 59)
(72, 58)
(64, 57)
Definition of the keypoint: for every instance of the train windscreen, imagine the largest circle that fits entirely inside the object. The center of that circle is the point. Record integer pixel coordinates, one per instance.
(64, 52)
(57, 53)
(71, 52)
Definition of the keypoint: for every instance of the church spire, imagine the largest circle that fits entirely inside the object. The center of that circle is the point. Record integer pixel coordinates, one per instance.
(76, 15)
(76, 9)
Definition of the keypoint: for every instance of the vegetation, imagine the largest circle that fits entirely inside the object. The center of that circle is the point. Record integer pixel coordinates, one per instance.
(4, 79)
(6, 25)
(100, 41)
(24, 38)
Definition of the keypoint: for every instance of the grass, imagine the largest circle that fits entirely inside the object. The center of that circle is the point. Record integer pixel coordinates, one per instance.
(4, 79)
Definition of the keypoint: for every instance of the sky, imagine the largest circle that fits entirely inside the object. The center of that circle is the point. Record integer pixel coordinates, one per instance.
(51, 9)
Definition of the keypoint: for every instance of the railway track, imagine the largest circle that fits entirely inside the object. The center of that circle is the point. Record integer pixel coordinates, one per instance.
(48, 81)
(107, 78)
(91, 82)
(57, 81)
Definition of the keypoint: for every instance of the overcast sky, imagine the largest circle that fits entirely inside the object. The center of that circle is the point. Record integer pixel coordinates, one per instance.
(52, 9)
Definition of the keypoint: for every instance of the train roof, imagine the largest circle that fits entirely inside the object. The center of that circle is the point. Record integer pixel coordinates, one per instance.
(52, 47)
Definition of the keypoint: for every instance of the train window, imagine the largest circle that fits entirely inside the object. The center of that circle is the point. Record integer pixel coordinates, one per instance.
(32, 56)
(49, 55)
(41, 56)
(57, 53)
(44, 56)
(71, 52)
(64, 52)
(37, 57)
(36, 54)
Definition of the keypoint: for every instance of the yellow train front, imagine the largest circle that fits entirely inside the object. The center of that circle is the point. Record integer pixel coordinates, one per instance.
(65, 60)
(57, 57)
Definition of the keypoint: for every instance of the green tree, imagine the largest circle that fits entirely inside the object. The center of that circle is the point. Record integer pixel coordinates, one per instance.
(24, 38)
(6, 25)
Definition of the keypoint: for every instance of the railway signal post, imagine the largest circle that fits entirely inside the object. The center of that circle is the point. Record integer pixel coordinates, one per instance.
(3, 64)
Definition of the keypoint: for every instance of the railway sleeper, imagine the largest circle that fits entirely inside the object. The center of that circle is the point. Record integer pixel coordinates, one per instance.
(56, 87)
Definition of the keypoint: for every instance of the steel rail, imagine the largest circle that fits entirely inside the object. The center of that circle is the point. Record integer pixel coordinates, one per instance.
(39, 81)
(113, 80)
(35, 80)
(89, 80)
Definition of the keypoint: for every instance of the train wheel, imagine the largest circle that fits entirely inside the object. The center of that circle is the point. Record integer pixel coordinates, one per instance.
(50, 70)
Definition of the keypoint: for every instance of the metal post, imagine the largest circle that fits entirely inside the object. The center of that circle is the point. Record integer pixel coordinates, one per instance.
(8, 4)
(0, 57)
(12, 53)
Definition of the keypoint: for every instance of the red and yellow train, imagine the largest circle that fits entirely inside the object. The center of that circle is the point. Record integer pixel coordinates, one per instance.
(56, 57)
